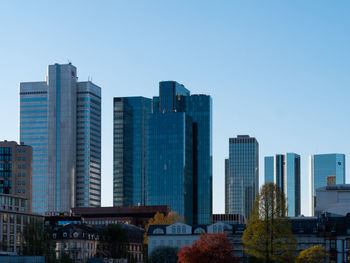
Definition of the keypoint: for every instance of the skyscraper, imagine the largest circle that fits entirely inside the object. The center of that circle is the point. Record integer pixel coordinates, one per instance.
(129, 166)
(227, 185)
(171, 148)
(61, 119)
(243, 177)
(323, 167)
(284, 171)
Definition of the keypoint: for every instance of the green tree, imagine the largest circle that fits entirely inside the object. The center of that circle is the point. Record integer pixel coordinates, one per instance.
(268, 235)
(163, 254)
(315, 254)
(37, 240)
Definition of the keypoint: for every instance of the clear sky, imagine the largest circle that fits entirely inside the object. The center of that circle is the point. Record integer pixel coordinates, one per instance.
(276, 70)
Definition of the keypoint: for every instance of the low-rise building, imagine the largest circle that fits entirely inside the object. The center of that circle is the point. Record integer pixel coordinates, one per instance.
(79, 242)
(334, 199)
(133, 215)
(14, 215)
(180, 234)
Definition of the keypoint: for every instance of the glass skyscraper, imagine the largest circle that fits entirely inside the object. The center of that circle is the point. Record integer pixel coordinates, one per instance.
(129, 163)
(243, 175)
(321, 168)
(176, 144)
(284, 171)
(61, 119)
(170, 162)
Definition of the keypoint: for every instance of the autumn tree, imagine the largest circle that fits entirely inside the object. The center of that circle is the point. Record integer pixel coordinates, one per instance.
(209, 248)
(315, 254)
(161, 219)
(163, 254)
(268, 235)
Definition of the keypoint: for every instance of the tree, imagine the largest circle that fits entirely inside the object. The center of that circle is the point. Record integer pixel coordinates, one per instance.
(209, 248)
(163, 254)
(315, 254)
(113, 239)
(37, 240)
(268, 235)
(161, 219)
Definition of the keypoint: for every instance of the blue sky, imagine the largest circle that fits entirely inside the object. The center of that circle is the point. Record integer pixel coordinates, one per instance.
(276, 70)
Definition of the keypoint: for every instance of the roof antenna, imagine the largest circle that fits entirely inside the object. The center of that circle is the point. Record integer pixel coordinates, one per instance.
(69, 62)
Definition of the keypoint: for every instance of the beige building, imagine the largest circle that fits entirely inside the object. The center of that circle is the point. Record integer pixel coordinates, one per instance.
(14, 215)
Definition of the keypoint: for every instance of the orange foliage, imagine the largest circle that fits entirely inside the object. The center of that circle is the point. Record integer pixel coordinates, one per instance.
(210, 248)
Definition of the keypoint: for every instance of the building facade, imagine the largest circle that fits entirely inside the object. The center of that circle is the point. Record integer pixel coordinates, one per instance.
(14, 215)
(333, 199)
(129, 150)
(324, 169)
(163, 151)
(61, 119)
(243, 177)
(16, 170)
(284, 171)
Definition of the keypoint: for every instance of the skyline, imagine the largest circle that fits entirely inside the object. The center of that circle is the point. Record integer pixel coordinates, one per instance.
(264, 61)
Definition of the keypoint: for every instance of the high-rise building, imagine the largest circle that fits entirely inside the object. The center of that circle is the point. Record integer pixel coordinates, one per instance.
(129, 155)
(284, 171)
(323, 169)
(227, 184)
(16, 170)
(169, 142)
(243, 177)
(61, 119)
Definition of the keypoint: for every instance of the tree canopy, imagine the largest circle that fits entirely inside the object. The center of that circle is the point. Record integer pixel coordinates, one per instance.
(210, 248)
(37, 240)
(315, 254)
(268, 235)
(161, 219)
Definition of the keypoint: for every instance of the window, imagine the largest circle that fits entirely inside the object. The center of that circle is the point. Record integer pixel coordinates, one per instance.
(333, 244)
(348, 244)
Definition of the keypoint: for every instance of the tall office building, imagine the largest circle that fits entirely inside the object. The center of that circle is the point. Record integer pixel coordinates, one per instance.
(61, 119)
(284, 171)
(171, 148)
(323, 168)
(227, 184)
(16, 170)
(129, 163)
(243, 175)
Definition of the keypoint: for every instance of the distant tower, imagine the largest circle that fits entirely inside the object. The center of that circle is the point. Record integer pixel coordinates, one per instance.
(284, 171)
(243, 175)
(324, 169)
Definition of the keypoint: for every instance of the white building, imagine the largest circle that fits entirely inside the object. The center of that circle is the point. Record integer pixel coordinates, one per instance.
(333, 199)
(180, 234)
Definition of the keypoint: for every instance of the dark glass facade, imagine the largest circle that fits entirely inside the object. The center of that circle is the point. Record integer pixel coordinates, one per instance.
(284, 171)
(130, 115)
(321, 167)
(177, 125)
(243, 175)
(169, 162)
